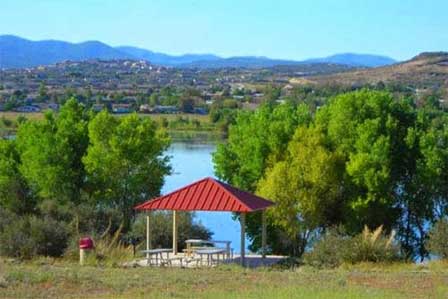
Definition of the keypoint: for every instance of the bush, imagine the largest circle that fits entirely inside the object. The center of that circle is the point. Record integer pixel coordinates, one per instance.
(336, 248)
(372, 246)
(438, 239)
(327, 252)
(28, 236)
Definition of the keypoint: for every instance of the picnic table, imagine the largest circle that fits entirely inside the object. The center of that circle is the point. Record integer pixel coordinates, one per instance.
(227, 244)
(157, 253)
(196, 244)
(209, 253)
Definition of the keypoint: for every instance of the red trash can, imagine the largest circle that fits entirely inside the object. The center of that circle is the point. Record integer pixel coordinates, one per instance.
(85, 244)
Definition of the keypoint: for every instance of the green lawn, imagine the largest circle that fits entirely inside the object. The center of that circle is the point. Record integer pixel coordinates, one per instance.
(49, 279)
(203, 129)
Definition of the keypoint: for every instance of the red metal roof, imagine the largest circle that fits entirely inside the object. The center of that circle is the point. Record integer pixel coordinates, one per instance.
(207, 194)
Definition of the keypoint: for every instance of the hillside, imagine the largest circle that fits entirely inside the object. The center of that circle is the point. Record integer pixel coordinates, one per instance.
(137, 75)
(353, 59)
(16, 52)
(427, 70)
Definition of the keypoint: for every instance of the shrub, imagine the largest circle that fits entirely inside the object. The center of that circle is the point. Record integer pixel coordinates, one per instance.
(28, 236)
(336, 248)
(438, 239)
(372, 246)
(110, 250)
(327, 252)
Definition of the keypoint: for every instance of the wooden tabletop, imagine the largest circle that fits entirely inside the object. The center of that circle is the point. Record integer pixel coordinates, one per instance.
(158, 250)
(211, 251)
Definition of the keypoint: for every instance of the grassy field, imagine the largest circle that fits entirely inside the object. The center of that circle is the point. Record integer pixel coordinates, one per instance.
(55, 279)
(181, 127)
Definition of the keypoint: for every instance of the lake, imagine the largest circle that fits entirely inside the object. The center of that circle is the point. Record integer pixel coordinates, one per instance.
(191, 162)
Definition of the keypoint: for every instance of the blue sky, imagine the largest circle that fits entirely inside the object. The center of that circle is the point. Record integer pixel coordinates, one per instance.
(278, 29)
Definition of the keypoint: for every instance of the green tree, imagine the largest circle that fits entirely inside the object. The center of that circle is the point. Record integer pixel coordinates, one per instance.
(43, 93)
(124, 162)
(14, 193)
(256, 141)
(51, 151)
(364, 159)
(364, 128)
(306, 187)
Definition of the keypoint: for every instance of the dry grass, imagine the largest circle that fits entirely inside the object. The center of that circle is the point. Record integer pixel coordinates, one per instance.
(59, 279)
(14, 115)
(421, 72)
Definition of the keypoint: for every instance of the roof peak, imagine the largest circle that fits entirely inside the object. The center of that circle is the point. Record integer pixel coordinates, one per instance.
(207, 194)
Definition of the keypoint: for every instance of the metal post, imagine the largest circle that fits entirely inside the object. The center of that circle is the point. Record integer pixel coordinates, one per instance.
(243, 238)
(148, 235)
(82, 256)
(175, 232)
(263, 234)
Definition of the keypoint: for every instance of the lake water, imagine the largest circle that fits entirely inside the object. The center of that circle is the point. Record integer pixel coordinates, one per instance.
(191, 162)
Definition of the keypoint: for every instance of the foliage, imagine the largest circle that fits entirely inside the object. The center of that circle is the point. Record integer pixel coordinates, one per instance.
(256, 141)
(14, 193)
(124, 162)
(72, 174)
(110, 250)
(336, 248)
(372, 246)
(27, 236)
(327, 252)
(51, 151)
(306, 183)
(438, 239)
(365, 158)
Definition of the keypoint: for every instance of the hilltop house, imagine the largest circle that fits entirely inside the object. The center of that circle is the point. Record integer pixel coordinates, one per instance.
(165, 109)
(28, 108)
(97, 107)
(121, 108)
(145, 108)
(45, 106)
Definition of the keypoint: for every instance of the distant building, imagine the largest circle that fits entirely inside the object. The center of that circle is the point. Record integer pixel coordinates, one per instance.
(121, 108)
(165, 109)
(200, 110)
(2, 107)
(98, 107)
(45, 106)
(145, 108)
(28, 108)
(53, 106)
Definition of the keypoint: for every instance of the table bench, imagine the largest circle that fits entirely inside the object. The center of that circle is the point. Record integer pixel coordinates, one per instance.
(209, 253)
(157, 253)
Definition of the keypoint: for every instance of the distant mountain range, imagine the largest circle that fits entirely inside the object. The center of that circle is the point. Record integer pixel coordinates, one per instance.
(16, 52)
(352, 59)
